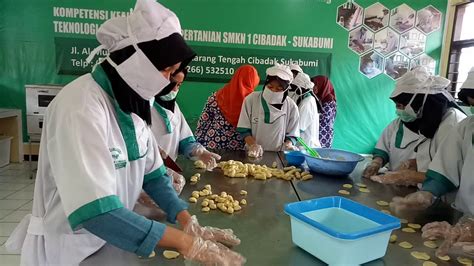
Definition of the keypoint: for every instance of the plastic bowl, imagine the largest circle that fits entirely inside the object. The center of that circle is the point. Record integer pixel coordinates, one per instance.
(333, 162)
(295, 158)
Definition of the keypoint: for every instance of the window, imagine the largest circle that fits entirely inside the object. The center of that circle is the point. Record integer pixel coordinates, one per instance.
(461, 58)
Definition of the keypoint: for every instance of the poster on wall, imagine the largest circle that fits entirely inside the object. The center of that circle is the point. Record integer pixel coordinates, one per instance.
(389, 41)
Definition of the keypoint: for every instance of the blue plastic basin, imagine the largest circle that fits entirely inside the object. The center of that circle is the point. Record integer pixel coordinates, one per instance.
(339, 231)
(333, 162)
(295, 158)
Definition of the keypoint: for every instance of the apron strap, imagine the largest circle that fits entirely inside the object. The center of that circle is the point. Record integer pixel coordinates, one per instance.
(36, 226)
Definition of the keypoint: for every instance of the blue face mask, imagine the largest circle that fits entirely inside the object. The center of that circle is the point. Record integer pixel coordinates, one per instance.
(404, 116)
(170, 96)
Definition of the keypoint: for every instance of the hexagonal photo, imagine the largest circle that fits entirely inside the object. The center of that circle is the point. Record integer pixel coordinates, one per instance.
(349, 15)
(376, 16)
(402, 18)
(396, 65)
(426, 61)
(386, 41)
(371, 65)
(361, 40)
(412, 43)
(428, 19)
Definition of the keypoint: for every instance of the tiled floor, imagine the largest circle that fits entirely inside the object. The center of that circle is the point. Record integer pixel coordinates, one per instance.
(16, 200)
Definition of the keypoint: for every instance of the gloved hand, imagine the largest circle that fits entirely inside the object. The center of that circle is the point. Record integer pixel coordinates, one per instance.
(372, 169)
(147, 207)
(207, 252)
(408, 165)
(178, 180)
(207, 157)
(288, 146)
(145, 200)
(254, 150)
(460, 236)
(417, 201)
(400, 178)
(224, 236)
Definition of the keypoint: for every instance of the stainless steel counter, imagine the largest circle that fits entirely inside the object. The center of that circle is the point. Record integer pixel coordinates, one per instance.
(265, 229)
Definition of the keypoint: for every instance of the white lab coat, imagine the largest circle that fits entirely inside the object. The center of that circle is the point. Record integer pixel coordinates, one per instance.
(170, 129)
(454, 161)
(396, 144)
(309, 121)
(269, 126)
(86, 167)
(427, 148)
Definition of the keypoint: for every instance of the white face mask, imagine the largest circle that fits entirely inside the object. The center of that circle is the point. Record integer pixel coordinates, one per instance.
(411, 112)
(170, 96)
(273, 97)
(140, 74)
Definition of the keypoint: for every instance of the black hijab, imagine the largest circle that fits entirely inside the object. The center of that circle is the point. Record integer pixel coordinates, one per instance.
(162, 53)
(169, 104)
(434, 109)
(464, 93)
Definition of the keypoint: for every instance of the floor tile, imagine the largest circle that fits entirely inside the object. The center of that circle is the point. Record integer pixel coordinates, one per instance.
(14, 217)
(16, 179)
(27, 195)
(30, 187)
(10, 260)
(15, 172)
(2, 240)
(4, 213)
(7, 228)
(3, 251)
(5, 193)
(27, 207)
(12, 187)
(12, 204)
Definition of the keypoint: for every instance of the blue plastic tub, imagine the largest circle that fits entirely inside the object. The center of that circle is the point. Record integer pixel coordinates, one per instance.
(339, 231)
(295, 158)
(333, 162)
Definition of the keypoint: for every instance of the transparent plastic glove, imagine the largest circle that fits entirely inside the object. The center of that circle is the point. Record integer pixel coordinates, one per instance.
(145, 200)
(400, 178)
(288, 146)
(417, 201)
(408, 165)
(147, 207)
(224, 236)
(254, 150)
(207, 252)
(372, 169)
(208, 158)
(459, 237)
(178, 180)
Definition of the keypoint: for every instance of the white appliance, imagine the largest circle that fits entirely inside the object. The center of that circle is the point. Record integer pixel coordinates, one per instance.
(38, 98)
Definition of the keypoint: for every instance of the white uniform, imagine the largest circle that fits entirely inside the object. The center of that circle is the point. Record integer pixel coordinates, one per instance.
(427, 148)
(170, 129)
(397, 144)
(269, 125)
(94, 158)
(309, 121)
(454, 162)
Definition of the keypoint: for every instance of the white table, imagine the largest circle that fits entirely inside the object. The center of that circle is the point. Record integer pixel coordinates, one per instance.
(11, 125)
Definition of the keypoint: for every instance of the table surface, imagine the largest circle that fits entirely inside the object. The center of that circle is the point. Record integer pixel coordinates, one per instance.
(265, 229)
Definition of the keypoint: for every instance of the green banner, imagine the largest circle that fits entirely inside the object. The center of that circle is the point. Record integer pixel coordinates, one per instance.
(217, 64)
(212, 64)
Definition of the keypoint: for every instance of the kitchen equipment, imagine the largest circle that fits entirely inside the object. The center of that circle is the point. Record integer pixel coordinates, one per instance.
(333, 162)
